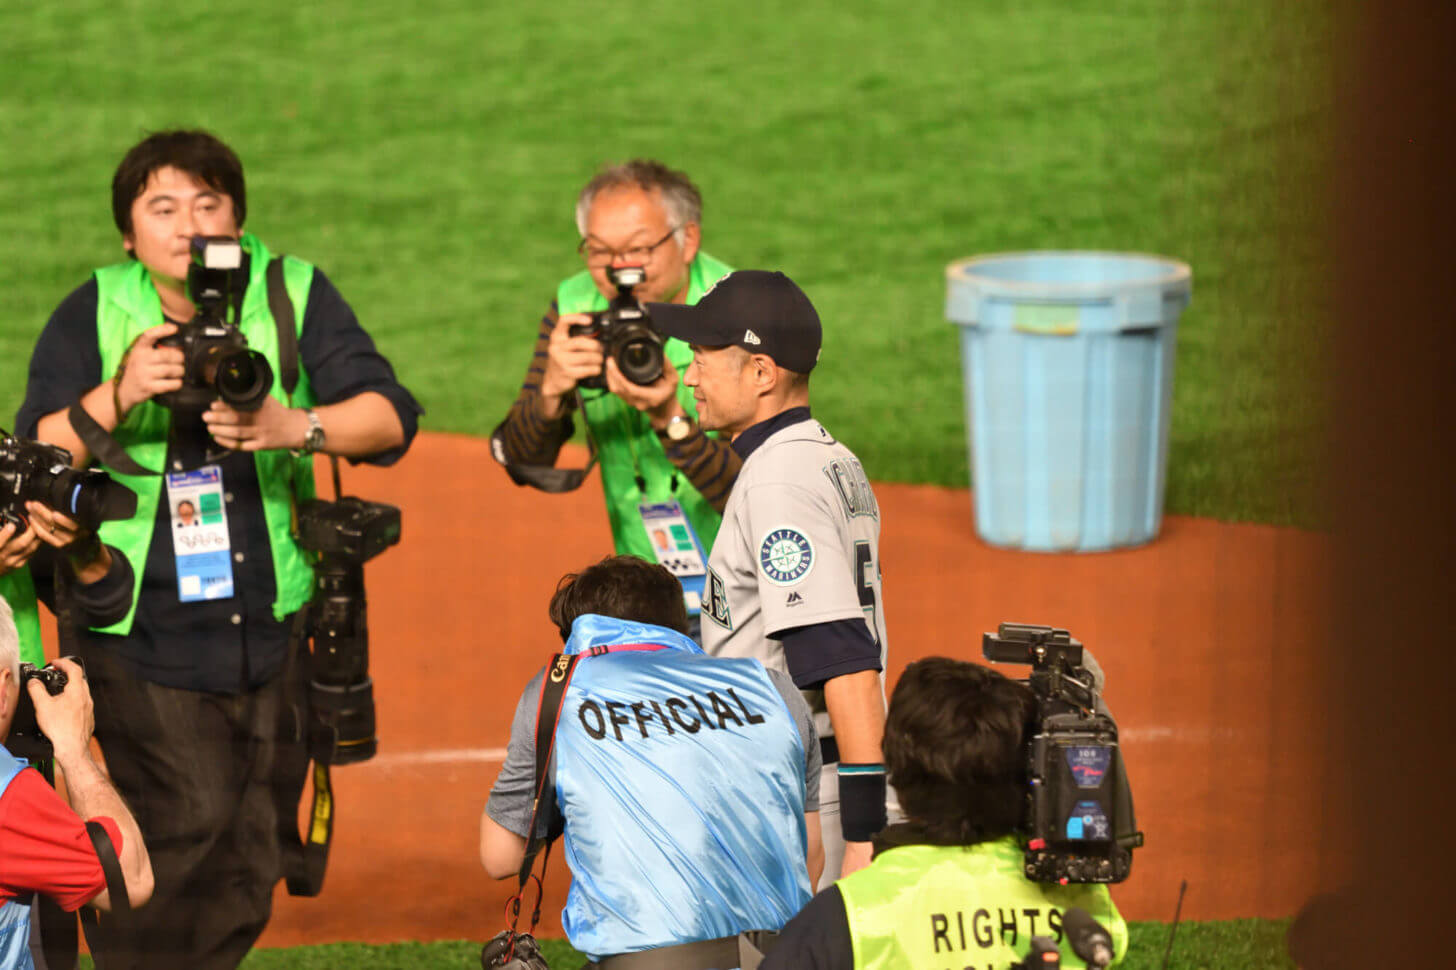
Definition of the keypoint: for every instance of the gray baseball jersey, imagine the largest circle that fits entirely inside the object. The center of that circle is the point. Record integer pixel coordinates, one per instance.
(799, 544)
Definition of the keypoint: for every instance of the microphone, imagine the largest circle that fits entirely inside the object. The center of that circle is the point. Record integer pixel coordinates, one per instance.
(1089, 940)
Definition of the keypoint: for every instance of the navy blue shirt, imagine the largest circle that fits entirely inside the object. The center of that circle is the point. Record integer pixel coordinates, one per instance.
(231, 645)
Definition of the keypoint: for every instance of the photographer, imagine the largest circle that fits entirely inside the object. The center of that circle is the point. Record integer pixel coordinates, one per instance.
(687, 785)
(946, 887)
(190, 684)
(44, 846)
(651, 449)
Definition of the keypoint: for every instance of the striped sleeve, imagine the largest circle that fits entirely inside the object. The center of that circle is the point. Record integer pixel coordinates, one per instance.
(710, 464)
(527, 436)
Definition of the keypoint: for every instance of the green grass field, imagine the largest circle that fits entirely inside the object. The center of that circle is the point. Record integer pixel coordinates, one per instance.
(428, 157)
(1232, 945)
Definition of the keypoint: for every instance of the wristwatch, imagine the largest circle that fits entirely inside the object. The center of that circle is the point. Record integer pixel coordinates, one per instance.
(313, 439)
(678, 427)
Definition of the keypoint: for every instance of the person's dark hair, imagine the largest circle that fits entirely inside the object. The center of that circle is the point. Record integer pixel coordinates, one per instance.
(198, 153)
(955, 749)
(188, 503)
(683, 201)
(624, 587)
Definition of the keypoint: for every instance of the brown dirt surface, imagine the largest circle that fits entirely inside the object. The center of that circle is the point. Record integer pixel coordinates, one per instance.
(1210, 638)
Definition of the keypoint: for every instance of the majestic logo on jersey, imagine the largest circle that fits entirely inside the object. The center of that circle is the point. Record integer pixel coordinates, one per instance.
(786, 556)
(853, 487)
(794, 600)
(715, 601)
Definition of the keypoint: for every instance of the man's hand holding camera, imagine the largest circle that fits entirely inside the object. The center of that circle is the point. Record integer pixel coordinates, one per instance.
(273, 425)
(66, 719)
(148, 370)
(569, 360)
(90, 560)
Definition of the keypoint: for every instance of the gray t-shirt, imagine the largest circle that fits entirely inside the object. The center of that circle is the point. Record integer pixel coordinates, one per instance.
(515, 788)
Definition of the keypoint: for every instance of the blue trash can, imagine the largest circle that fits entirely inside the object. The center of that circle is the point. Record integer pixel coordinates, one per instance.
(1068, 365)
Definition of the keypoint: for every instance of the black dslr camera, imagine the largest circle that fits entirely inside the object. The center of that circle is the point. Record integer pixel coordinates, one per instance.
(26, 739)
(1079, 824)
(217, 363)
(346, 534)
(35, 471)
(625, 331)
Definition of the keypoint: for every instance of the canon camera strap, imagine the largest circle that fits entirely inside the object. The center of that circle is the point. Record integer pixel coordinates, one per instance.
(543, 806)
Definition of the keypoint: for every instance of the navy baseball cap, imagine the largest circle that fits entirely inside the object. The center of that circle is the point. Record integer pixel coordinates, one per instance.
(761, 311)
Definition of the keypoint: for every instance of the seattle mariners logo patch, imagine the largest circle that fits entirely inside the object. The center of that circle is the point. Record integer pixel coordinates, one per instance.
(786, 556)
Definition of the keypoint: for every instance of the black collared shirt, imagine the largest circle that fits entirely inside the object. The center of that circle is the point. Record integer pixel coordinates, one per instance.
(231, 645)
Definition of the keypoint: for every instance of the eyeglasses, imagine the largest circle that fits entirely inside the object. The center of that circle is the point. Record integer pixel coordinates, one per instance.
(599, 256)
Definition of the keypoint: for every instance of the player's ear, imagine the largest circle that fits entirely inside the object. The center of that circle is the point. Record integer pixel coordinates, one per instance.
(766, 374)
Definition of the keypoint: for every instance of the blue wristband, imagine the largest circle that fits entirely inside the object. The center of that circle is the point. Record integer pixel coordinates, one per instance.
(861, 801)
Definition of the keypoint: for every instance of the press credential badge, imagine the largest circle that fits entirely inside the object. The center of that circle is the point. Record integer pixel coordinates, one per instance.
(200, 535)
(677, 548)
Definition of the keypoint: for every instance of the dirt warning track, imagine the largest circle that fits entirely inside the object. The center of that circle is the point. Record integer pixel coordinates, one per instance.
(1210, 639)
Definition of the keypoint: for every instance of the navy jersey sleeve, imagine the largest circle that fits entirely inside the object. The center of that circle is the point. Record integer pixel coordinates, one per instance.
(816, 939)
(342, 362)
(66, 362)
(823, 651)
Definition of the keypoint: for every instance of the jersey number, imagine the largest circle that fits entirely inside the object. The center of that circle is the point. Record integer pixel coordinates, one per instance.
(864, 581)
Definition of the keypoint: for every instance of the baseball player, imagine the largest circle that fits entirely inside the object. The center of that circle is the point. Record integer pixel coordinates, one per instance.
(794, 574)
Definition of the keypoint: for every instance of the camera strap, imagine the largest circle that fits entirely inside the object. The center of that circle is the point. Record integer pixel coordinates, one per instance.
(103, 444)
(305, 750)
(102, 935)
(546, 478)
(548, 713)
(281, 307)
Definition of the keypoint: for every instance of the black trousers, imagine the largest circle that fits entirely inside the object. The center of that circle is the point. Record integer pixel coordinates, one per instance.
(198, 771)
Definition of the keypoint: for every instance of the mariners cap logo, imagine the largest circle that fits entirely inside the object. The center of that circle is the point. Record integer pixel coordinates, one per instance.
(785, 555)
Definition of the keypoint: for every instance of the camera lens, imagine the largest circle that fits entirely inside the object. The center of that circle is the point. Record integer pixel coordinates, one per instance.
(88, 496)
(640, 360)
(243, 379)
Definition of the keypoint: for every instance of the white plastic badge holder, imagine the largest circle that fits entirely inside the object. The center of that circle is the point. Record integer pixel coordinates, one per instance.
(677, 548)
(200, 535)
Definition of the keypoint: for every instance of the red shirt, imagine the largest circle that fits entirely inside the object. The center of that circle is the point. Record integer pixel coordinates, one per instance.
(44, 846)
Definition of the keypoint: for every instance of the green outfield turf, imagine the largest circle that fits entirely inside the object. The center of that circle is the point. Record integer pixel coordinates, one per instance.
(427, 157)
(1231, 945)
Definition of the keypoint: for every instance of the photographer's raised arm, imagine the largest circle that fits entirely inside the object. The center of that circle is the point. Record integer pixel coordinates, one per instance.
(66, 720)
(146, 371)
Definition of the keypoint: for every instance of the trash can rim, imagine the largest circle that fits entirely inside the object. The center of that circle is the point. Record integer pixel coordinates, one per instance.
(964, 269)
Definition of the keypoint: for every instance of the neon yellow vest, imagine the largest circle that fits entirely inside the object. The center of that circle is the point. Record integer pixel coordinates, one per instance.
(626, 444)
(17, 590)
(927, 906)
(128, 304)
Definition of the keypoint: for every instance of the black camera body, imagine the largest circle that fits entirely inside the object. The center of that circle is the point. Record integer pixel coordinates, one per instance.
(345, 533)
(36, 471)
(26, 739)
(625, 331)
(1079, 825)
(217, 363)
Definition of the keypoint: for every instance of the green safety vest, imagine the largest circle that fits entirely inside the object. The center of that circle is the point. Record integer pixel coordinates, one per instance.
(17, 590)
(930, 907)
(626, 444)
(127, 305)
